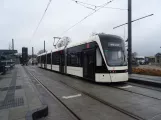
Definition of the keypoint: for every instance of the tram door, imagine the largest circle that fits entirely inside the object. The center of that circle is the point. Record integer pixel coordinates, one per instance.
(61, 66)
(89, 64)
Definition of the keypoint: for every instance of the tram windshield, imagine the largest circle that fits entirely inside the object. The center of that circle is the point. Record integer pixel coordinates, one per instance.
(114, 51)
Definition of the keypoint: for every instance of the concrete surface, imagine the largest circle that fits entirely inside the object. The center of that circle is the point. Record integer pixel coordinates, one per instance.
(56, 110)
(146, 78)
(85, 107)
(143, 106)
(20, 97)
(153, 81)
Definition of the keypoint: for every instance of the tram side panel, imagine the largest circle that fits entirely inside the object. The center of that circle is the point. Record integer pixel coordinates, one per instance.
(38, 59)
(88, 60)
(84, 61)
(49, 61)
(74, 61)
(62, 61)
(55, 61)
(43, 61)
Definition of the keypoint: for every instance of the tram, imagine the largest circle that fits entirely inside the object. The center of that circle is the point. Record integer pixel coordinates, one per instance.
(101, 58)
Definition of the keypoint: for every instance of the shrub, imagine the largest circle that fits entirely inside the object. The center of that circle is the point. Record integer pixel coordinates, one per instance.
(143, 71)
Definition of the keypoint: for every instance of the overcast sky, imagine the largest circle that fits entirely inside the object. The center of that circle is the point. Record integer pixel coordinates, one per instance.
(19, 18)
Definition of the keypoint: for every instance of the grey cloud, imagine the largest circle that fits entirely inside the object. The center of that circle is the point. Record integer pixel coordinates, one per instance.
(20, 18)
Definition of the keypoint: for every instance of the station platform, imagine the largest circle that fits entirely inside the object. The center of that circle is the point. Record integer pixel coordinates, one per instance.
(146, 79)
(19, 99)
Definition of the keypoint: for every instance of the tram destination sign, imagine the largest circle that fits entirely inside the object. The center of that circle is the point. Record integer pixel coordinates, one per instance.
(111, 44)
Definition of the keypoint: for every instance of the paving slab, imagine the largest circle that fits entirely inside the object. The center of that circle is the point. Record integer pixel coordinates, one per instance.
(4, 114)
(18, 95)
(154, 81)
(2, 95)
(18, 112)
(146, 77)
(5, 83)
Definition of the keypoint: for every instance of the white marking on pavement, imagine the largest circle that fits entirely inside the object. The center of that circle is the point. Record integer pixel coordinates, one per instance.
(127, 86)
(71, 96)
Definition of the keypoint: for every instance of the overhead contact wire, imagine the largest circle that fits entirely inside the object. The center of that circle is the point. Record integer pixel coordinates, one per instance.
(86, 17)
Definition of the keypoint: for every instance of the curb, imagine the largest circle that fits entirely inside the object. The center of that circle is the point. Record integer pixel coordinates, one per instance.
(145, 82)
(37, 113)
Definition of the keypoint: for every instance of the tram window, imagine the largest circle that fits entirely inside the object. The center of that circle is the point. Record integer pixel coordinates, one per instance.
(68, 59)
(79, 59)
(53, 58)
(119, 54)
(38, 59)
(42, 61)
(48, 58)
(73, 59)
(74, 55)
(44, 58)
(56, 58)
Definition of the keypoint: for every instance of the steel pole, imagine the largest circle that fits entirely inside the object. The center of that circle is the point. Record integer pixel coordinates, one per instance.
(129, 37)
(12, 44)
(44, 45)
(32, 54)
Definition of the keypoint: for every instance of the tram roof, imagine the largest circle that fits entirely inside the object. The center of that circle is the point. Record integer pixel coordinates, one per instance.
(91, 39)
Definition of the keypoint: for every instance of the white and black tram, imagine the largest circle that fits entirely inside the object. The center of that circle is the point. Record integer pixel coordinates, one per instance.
(102, 58)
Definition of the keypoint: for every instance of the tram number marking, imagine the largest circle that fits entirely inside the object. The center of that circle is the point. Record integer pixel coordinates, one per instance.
(127, 86)
(71, 96)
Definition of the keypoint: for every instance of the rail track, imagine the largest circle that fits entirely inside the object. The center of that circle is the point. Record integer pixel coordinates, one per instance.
(89, 95)
(137, 93)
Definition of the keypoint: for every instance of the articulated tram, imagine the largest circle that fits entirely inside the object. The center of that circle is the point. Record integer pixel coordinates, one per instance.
(102, 58)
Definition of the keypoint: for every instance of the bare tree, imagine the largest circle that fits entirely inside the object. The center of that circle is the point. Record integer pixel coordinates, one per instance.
(135, 54)
(64, 42)
(41, 51)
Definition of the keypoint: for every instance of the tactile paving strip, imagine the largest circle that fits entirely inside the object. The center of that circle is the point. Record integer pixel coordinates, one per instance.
(12, 103)
(4, 89)
(10, 100)
(10, 88)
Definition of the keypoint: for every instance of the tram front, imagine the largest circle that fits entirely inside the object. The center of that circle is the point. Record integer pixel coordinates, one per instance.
(113, 50)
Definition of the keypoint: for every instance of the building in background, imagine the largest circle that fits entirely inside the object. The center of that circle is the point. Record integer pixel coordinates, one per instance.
(8, 55)
(8, 58)
(150, 59)
(158, 58)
